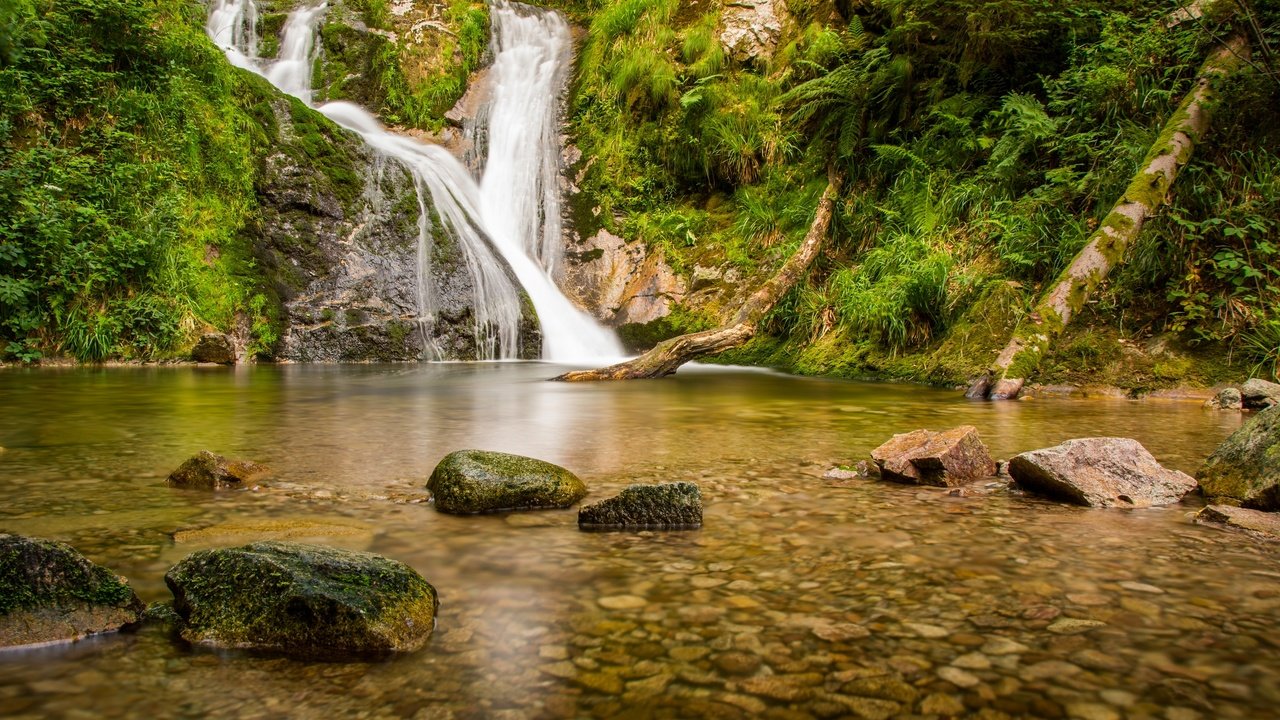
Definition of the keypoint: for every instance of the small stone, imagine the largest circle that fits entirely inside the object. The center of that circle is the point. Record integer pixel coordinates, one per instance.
(737, 663)
(622, 602)
(941, 704)
(972, 661)
(924, 630)
(1226, 399)
(883, 687)
(788, 688)
(1089, 599)
(1119, 698)
(1074, 626)
(690, 653)
(1091, 711)
(958, 677)
(553, 652)
(1141, 587)
(600, 682)
(1049, 669)
(871, 708)
(1100, 661)
(1265, 525)
(209, 471)
(1004, 646)
(840, 632)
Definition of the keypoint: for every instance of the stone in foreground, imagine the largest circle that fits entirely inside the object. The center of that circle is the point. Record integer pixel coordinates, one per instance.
(1100, 472)
(1264, 524)
(952, 457)
(668, 506)
(209, 471)
(1226, 399)
(305, 601)
(1258, 394)
(214, 348)
(51, 593)
(479, 481)
(1245, 469)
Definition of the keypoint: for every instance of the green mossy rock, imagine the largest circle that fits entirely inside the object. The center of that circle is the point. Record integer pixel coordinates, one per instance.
(668, 506)
(305, 601)
(51, 593)
(210, 471)
(1245, 469)
(479, 481)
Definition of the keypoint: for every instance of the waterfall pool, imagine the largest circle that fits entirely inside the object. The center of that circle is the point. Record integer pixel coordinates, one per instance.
(800, 597)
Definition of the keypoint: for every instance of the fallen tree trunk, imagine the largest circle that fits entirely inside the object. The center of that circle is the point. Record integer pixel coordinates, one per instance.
(667, 356)
(1106, 248)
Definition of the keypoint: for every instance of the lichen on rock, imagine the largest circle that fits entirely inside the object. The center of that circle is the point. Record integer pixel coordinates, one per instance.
(666, 506)
(1245, 469)
(480, 481)
(49, 592)
(305, 601)
(209, 471)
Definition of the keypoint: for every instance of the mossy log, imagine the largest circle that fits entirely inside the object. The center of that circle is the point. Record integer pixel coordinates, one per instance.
(665, 358)
(1106, 248)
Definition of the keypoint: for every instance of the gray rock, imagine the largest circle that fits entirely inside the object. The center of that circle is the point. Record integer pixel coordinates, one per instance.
(304, 601)
(1100, 472)
(752, 29)
(1259, 394)
(952, 457)
(1265, 524)
(209, 471)
(478, 481)
(1227, 399)
(215, 348)
(51, 593)
(668, 506)
(1245, 469)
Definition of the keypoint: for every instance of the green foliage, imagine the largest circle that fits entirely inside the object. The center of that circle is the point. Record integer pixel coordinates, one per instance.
(126, 166)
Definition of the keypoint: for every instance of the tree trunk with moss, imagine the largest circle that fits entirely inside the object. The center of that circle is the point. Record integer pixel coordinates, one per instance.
(1105, 249)
(667, 356)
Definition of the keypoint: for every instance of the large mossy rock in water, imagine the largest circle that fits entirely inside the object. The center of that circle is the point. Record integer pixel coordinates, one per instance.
(1100, 472)
(306, 601)
(209, 471)
(51, 593)
(479, 481)
(952, 457)
(1245, 469)
(668, 506)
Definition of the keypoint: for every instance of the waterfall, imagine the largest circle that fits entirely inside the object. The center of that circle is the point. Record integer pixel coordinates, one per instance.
(517, 212)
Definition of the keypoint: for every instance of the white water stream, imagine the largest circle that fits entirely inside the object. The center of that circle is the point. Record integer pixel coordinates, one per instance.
(515, 209)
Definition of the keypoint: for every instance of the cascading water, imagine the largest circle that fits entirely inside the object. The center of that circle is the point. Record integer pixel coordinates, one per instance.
(517, 205)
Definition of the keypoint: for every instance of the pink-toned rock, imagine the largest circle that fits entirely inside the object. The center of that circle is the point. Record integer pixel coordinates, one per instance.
(1256, 522)
(924, 457)
(1100, 472)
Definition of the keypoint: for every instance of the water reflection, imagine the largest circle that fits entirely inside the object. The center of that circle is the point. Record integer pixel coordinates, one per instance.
(815, 597)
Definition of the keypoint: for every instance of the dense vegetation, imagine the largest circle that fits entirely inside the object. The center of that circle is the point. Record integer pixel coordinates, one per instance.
(127, 154)
(981, 141)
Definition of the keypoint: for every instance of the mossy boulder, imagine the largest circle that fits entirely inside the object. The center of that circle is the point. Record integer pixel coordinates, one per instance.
(209, 471)
(305, 601)
(667, 506)
(479, 481)
(1245, 469)
(215, 348)
(51, 593)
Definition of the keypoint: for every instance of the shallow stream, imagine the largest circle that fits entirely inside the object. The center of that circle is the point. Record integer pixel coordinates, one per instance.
(801, 596)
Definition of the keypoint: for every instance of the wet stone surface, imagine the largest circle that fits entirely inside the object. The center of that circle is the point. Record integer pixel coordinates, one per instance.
(800, 597)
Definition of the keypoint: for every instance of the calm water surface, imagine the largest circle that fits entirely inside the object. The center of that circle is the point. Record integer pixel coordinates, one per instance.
(800, 597)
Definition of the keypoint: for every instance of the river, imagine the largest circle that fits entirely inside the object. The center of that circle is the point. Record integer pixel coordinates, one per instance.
(800, 595)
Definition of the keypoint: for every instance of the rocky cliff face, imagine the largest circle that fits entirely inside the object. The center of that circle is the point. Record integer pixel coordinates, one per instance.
(338, 238)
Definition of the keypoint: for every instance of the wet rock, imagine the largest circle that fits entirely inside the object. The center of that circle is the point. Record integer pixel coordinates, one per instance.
(1258, 394)
(215, 348)
(941, 704)
(1073, 626)
(787, 688)
(1226, 399)
(1100, 472)
(958, 677)
(209, 471)
(668, 506)
(1265, 524)
(1245, 469)
(49, 592)
(478, 481)
(857, 471)
(737, 663)
(622, 284)
(305, 601)
(948, 458)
